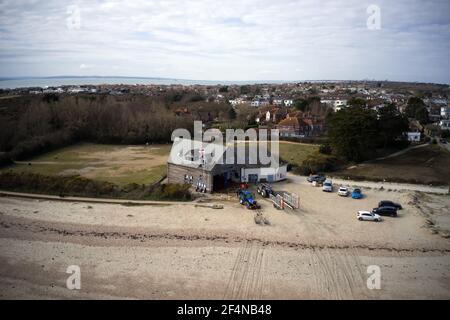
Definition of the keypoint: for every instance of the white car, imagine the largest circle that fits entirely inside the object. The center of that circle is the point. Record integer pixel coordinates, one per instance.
(368, 216)
(327, 186)
(343, 192)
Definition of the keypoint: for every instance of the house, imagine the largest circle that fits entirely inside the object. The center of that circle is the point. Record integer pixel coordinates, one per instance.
(339, 104)
(237, 101)
(413, 136)
(279, 114)
(415, 131)
(278, 102)
(435, 113)
(264, 103)
(191, 163)
(264, 115)
(288, 102)
(268, 116)
(444, 124)
(445, 112)
(181, 112)
(256, 103)
(294, 114)
(336, 104)
(282, 102)
(293, 127)
(316, 125)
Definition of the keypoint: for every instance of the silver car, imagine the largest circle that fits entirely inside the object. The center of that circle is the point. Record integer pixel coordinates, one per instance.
(368, 216)
(343, 192)
(327, 186)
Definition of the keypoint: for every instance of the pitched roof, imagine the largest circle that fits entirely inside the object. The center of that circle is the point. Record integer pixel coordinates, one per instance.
(289, 122)
(196, 154)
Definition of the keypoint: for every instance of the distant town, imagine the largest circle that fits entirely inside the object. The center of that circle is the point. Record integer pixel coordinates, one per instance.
(298, 109)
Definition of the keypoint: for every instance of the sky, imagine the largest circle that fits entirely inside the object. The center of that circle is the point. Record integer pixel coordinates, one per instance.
(228, 40)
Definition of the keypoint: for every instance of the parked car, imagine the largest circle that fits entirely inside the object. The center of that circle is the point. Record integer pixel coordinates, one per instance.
(443, 141)
(357, 194)
(368, 216)
(387, 203)
(386, 211)
(317, 178)
(327, 186)
(343, 192)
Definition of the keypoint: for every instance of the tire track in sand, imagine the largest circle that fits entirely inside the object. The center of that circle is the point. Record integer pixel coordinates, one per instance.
(336, 275)
(246, 280)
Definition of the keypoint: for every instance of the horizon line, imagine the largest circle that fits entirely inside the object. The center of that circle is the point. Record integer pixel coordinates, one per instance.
(265, 81)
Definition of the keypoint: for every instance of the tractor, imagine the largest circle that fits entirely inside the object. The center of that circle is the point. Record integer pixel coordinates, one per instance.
(246, 198)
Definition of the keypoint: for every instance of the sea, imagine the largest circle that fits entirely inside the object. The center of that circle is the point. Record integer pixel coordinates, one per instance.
(78, 81)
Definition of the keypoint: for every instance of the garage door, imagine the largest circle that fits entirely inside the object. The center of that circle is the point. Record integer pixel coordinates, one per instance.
(253, 178)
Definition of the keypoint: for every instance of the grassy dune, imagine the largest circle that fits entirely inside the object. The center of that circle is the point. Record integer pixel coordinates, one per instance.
(427, 165)
(112, 163)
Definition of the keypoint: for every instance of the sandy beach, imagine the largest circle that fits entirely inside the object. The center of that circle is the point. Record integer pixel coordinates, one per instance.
(188, 252)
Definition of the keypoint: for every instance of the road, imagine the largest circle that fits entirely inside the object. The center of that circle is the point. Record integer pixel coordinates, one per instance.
(376, 185)
(398, 153)
(445, 146)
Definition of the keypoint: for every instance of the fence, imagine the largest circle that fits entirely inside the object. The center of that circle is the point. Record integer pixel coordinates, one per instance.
(285, 199)
(277, 201)
(291, 200)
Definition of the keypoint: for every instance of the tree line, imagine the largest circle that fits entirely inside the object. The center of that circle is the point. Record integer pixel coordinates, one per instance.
(34, 124)
(356, 133)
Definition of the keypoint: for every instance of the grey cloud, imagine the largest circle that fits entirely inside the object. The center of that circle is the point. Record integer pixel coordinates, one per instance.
(232, 40)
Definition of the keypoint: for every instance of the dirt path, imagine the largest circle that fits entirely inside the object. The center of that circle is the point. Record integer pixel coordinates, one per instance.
(104, 200)
(377, 185)
(398, 153)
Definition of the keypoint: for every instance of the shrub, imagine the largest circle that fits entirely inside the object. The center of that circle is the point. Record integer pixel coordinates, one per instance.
(318, 162)
(5, 160)
(72, 185)
(301, 170)
(170, 191)
(325, 149)
(80, 186)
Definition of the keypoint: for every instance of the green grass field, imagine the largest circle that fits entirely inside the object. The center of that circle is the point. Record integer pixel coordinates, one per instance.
(123, 165)
(295, 153)
(113, 163)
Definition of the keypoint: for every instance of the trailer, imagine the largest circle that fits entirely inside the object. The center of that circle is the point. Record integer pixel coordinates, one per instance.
(277, 201)
(291, 200)
(285, 199)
